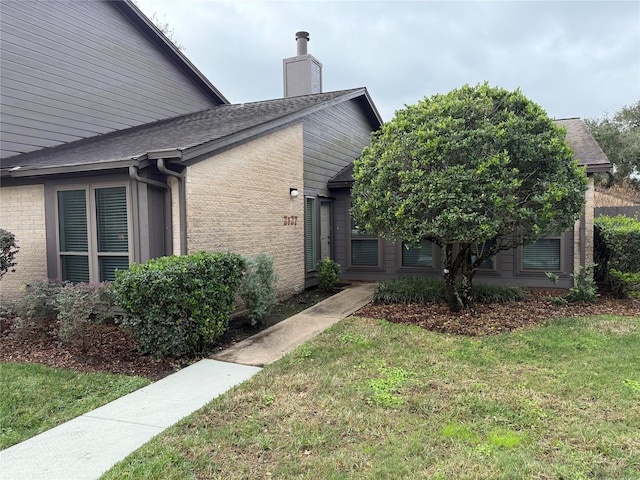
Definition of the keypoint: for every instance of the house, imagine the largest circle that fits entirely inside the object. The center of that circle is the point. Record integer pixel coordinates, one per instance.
(116, 149)
(111, 169)
(365, 257)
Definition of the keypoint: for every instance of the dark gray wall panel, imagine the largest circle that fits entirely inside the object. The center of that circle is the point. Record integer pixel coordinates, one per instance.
(333, 138)
(72, 70)
(506, 273)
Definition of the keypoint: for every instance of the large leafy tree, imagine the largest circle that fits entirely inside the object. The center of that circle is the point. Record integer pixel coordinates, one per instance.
(619, 138)
(478, 170)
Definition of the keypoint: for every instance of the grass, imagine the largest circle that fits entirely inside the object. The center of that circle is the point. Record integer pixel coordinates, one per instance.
(369, 399)
(35, 398)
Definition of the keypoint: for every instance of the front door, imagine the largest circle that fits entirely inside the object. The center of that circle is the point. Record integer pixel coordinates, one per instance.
(325, 230)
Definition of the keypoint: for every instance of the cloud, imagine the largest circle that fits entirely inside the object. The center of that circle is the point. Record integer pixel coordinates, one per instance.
(574, 58)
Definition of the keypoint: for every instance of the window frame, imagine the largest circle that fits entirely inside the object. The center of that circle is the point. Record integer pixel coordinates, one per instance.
(367, 238)
(494, 261)
(93, 252)
(417, 268)
(561, 261)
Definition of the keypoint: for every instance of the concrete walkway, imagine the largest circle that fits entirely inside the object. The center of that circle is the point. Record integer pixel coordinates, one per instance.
(87, 446)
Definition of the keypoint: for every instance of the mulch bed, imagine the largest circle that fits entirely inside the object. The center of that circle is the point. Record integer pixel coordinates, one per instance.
(491, 319)
(112, 350)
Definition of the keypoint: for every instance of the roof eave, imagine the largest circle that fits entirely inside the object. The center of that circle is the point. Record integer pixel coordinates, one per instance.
(63, 169)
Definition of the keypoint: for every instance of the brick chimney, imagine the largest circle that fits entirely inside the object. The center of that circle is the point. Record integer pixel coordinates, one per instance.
(302, 73)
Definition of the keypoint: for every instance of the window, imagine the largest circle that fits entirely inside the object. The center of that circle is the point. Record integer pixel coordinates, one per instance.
(420, 255)
(481, 248)
(311, 255)
(543, 254)
(364, 248)
(93, 233)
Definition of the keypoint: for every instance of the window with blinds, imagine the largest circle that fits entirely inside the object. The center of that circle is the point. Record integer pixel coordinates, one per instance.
(311, 255)
(543, 254)
(112, 231)
(93, 232)
(73, 235)
(420, 255)
(481, 249)
(364, 248)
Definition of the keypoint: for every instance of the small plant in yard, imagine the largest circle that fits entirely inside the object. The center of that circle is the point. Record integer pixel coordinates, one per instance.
(37, 303)
(585, 289)
(79, 306)
(328, 274)
(258, 288)
(8, 250)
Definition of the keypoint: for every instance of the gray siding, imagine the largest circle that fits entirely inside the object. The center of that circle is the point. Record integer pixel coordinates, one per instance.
(72, 70)
(333, 138)
(628, 211)
(507, 270)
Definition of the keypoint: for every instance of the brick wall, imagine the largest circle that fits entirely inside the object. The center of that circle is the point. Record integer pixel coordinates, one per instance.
(22, 214)
(239, 201)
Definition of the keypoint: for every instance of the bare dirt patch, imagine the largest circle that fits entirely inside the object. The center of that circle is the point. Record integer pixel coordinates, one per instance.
(491, 319)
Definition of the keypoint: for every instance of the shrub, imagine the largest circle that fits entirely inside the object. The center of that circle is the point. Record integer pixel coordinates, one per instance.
(584, 290)
(36, 303)
(178, 306)
(624, 285)
(617, 243)
(80, 306)
(258, 289)
(8, 251)
(431, 290)
(328, 274)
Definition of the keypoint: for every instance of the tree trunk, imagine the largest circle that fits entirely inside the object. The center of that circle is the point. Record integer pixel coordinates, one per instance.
(450, 270)
(468, 271)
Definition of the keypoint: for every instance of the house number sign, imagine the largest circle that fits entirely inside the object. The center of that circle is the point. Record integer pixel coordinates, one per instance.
(290, 221)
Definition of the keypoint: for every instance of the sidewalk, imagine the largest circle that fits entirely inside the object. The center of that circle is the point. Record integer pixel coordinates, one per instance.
(87, 446)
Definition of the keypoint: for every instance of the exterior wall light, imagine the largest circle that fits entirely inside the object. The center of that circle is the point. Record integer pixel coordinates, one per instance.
(293, 192)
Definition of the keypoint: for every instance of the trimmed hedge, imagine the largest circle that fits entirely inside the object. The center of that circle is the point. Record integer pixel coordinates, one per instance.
(178, 306)
(617, 243)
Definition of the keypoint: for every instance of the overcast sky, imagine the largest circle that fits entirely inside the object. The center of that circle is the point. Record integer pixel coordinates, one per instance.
(574, 58)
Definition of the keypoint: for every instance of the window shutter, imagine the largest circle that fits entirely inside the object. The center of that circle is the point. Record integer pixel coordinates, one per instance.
(543, 254)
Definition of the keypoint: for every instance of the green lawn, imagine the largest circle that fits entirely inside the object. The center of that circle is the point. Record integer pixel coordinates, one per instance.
(368, 400)
(35, 398)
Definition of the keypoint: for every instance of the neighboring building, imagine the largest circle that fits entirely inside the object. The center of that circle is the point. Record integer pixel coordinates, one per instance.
(365, 257)
(219, 178)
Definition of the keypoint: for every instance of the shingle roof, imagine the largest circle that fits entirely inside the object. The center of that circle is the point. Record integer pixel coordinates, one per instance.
(186, 133)
(585, 149)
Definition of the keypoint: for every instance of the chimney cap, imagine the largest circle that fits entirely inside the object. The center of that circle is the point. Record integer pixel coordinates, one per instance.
(302, 35)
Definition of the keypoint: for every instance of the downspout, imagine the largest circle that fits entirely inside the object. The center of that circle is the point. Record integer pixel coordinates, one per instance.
(182, 202)
(133, 173)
